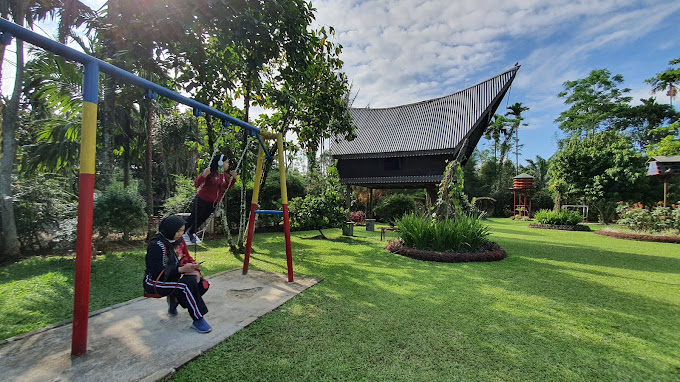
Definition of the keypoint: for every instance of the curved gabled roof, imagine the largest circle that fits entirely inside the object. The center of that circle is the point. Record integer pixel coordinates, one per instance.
(436, 126)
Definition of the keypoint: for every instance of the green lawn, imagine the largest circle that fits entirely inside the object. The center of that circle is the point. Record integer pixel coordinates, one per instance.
(563, 306)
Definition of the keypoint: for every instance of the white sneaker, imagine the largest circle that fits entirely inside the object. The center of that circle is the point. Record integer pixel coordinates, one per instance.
(186, 238)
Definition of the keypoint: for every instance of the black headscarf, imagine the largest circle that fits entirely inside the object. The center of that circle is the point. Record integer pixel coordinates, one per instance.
(169, 227)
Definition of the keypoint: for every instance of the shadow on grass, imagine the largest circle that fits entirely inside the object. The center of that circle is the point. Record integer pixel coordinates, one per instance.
(44, 292)
(525, 315)
(586, 254)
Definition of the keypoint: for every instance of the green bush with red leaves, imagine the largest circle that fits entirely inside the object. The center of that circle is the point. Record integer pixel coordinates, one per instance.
(638, 217)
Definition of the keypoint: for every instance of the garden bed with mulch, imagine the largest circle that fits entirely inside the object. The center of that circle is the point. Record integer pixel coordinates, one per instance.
(577, 227)
(639, 236)
(490, 252)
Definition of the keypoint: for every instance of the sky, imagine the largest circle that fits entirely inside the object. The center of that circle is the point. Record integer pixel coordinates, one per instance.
(397, 52)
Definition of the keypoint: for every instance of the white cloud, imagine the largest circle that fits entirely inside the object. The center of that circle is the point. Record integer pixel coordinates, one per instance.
(402, 51)
(398, 52)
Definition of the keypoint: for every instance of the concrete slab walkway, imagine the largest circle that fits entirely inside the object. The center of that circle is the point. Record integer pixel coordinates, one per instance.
(138, 341)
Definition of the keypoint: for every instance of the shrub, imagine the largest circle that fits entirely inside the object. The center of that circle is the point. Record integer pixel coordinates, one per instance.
(639, 217)
(463, 233)
(564, 217)
(181, 199)
(358, 217)
(42, 206)
(118, 209)
(395, 206)
(318, 211)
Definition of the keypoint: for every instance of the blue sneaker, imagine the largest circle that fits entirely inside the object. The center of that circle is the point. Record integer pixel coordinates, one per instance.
(201, 326)
(172, 305)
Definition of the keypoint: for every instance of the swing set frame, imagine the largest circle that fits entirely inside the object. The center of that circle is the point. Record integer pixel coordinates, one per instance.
(254, 211)
(92, 68)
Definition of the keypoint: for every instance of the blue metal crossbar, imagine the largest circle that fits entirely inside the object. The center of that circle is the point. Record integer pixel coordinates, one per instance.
(269, 212)
(9, 29)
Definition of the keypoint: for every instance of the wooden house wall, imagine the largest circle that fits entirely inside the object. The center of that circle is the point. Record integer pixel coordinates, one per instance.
(392, 167)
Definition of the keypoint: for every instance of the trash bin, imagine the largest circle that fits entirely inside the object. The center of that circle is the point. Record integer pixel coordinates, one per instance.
(348, 229)
(370, 224)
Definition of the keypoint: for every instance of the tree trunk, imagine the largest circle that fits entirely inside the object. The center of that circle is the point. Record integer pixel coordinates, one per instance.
(2, 59)
(209, 121)
(240, 240)
(558, 201)
(149, 169)
(268, 164)
(274, 148)
(10, 118)
(108, 123)
(108, 119)
(126, 163)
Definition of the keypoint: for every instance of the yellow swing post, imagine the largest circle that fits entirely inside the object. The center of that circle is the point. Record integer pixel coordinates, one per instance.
(284, 203)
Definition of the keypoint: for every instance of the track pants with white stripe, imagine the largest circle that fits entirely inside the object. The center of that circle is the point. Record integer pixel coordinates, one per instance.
(187, 290)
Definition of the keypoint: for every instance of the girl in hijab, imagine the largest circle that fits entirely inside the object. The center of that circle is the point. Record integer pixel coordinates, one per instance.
(166, 277)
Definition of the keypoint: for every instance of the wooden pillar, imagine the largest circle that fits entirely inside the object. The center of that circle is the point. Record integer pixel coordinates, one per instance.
(369, 209)
(348, 201)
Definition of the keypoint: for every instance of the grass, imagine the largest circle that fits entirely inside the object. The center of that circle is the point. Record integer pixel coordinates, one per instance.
(564, 305)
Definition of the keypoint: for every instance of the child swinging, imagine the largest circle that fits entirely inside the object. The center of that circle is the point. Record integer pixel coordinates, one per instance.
(214, 181)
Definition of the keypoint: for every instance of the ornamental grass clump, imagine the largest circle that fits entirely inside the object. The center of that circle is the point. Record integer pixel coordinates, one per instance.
(462, 233)
(452, 233)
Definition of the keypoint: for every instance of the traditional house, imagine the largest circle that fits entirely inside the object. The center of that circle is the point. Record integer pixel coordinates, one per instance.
(408, 146)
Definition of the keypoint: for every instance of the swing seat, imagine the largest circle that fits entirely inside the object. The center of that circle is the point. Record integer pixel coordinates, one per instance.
(152, 295)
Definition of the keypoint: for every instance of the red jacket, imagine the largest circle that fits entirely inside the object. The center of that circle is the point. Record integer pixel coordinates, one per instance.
(213, 187)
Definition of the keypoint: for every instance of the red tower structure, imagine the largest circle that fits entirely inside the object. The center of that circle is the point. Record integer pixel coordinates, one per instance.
(522, 189)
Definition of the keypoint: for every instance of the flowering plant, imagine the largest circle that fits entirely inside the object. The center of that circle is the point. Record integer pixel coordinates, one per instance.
(639, 217)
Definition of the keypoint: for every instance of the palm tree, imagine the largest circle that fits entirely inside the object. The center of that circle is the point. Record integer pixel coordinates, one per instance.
(539, 169)
(497, 128)
(22, 11)
(516, 111)
(71, 13)
(668, 80)
(55, 84)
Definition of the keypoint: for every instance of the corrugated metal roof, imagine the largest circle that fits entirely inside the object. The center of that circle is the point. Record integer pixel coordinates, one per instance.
(667, 159)
(427, 126)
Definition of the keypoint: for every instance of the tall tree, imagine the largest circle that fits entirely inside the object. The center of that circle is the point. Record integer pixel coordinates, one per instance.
(648, 122)
(71, 14)
(668, 80)
(516, 110)
(603, 168)
(497, 128)
(56, 85)
(596, 102)
(670, 145)
(539, 169)
(21, 11)
(499, 131)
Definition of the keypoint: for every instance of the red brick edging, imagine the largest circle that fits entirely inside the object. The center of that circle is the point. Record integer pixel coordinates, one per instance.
(560, 227)
(639, 236)
(448, 257)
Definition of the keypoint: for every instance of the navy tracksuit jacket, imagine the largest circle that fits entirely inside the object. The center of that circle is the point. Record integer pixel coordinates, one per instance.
(161, 257)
